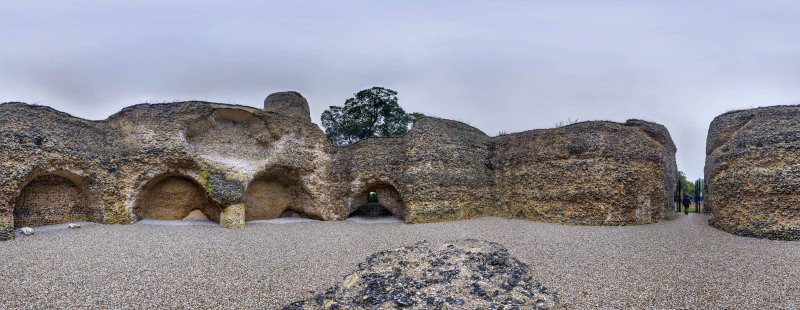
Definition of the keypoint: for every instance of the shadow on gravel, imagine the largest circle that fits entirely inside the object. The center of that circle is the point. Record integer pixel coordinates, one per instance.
(177, 222)
(283, 220)
(375, 220)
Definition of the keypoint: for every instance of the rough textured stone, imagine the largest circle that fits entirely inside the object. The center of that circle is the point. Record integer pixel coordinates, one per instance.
(233, 216)
(274, 193)
(752, 172)
(593, 173)
(164, 161)
(51, 199)
(173, 198)
(468, 274)
(289, 103)
(151, 161)
(6, 232)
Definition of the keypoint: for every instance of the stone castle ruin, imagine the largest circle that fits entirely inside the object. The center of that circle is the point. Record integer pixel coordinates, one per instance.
(752, 172)
(232, 164)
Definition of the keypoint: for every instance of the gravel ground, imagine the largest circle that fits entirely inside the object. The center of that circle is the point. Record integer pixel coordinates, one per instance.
(682, 263)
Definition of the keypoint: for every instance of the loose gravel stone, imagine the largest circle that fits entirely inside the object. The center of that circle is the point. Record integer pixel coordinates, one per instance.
(678, 264)
(473, 273)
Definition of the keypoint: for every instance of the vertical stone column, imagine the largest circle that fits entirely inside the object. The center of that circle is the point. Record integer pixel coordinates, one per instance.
(232, 216)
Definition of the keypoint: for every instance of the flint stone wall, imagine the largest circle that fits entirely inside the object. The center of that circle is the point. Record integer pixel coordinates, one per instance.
(595, 173)
(240, 158)
(752, 172)
(592, 173)
(438, 168)
(218, 148)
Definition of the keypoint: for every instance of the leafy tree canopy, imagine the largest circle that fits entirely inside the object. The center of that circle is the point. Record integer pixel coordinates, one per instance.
(371, 112)
(687, 187)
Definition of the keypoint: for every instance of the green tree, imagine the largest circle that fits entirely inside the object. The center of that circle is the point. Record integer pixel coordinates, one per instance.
(371, 112)
(416, 115)
(686, 186)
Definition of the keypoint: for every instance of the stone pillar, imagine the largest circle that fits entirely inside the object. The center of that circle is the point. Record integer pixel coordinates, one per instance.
(289, 103)
(232, 216)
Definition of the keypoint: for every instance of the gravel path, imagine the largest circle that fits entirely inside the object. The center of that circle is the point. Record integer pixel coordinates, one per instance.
(267, 265)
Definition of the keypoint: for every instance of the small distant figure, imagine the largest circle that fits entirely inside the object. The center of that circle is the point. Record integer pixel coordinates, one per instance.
(686, 203)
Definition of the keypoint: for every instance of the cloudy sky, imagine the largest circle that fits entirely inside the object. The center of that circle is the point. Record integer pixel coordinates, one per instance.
(497, 65)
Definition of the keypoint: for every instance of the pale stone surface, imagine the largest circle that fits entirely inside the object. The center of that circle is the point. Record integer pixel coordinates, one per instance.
(196, 215)
(174, 198)
(233, 216)
(272, 196)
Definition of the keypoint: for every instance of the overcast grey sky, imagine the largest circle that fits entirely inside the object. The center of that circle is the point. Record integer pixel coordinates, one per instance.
(497, 65)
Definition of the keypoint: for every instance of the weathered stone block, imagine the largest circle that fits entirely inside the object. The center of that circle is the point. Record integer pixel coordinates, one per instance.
(289, 103)
(589, 173)
(752, 172)
(233, 216)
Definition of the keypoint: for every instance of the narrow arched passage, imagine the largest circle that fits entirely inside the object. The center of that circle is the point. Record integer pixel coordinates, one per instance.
(377, 200)
(175, 197)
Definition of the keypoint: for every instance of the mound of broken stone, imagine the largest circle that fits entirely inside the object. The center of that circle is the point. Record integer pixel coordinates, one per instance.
(469, 274)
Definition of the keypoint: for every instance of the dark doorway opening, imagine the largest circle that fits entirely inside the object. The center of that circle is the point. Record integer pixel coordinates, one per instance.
(378, 200)
(372, 208)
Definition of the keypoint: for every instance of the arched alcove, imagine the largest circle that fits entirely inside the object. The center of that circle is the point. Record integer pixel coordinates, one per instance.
(53, 198)
(174, 197)
(276, 193)
(385, 201)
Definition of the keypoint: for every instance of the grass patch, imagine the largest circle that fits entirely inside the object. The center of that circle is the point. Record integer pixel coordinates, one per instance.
(693, 208)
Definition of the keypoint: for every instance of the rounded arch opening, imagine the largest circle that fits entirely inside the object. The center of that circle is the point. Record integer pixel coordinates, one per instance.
(52, 198)
(377, 200)
(276, 193)
(175, 197)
